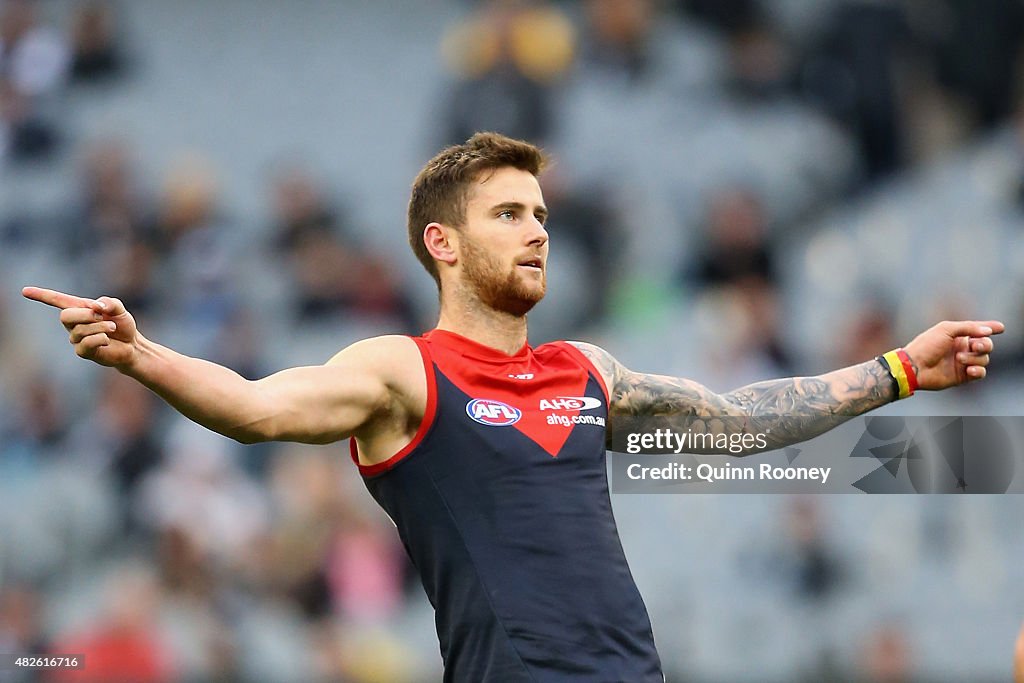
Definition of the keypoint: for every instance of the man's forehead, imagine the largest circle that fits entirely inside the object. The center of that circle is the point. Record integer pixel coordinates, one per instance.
(506, 185)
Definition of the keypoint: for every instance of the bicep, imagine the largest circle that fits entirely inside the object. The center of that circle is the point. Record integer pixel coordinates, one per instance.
(358, 389)
(320, 404)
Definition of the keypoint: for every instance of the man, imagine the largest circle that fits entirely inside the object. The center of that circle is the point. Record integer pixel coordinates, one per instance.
(501, 503)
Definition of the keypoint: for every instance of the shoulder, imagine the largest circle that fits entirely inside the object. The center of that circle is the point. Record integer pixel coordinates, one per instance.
(606, 365)
(390, 349)
(394, 360)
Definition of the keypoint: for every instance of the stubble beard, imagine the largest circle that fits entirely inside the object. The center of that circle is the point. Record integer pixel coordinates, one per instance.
(498, 287)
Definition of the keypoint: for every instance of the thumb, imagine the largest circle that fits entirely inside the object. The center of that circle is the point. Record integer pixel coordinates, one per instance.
(109, 306)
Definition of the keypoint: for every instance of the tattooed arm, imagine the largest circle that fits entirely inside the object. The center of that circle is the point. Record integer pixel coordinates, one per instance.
(792, 410)
(787, 411)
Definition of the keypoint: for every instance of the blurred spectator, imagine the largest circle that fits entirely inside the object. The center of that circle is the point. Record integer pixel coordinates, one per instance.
(332, 274)
(761, 66)
(125, 643)
(20, 620)
(977, 48)
(507, 57)
(110, 229)
(291, 558)
(738, 328)
(120, 435)
(198, 258)
(630, 43)
(33, 63)
(185, 570)
(886, 657)
(197, 607)
(816, 570)
(868, 333)
(365, 569)
(759, 298)
(620, 33)
(41, 423)
(736, 243)
(200, 490)
(586, 217)
(238, 348)
(96, 52)
(323, 552)
(852, 75)
(734, 272)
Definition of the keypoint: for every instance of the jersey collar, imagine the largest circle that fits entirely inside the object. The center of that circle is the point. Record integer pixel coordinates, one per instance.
(473, 349)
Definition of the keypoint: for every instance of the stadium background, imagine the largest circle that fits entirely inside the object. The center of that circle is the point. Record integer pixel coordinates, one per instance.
(743, 189)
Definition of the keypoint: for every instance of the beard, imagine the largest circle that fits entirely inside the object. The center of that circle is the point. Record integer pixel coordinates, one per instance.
(502, 288)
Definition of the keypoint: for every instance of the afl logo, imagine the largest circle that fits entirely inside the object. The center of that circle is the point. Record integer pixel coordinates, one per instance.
(492, 413)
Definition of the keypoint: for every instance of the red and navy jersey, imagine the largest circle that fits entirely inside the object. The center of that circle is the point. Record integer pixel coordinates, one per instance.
(501, 500)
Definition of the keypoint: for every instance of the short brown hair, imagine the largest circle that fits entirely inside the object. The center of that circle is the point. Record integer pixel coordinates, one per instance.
(441, 190)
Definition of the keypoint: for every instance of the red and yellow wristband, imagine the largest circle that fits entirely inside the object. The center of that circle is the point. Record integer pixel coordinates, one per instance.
(901, 368)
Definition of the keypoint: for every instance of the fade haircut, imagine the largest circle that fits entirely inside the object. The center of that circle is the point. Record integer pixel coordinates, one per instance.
(441, 190)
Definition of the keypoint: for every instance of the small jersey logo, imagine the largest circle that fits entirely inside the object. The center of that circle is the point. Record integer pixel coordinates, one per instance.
(525, 375)
(570, 403)
(493, 413)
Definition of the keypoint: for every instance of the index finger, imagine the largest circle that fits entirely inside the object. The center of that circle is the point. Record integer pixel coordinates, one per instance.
(52, 297)
(974, 328)
(997, 326)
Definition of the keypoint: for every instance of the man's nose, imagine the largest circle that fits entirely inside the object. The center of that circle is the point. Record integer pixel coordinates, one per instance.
(537, 233)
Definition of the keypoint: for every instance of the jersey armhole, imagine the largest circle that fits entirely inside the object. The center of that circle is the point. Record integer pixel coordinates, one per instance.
(579, 355)
(429, 413)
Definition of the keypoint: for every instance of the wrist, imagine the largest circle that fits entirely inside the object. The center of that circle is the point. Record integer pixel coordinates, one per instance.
(134, 366)
(902, 370)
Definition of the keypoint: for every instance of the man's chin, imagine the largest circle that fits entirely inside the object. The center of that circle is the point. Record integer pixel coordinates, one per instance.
(520, 306)
(515, 296)
(520, 303)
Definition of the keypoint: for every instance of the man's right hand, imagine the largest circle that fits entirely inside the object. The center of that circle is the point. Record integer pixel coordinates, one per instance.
(101, 330)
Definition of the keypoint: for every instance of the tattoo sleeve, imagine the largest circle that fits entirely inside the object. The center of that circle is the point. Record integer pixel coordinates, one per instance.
(788, 410)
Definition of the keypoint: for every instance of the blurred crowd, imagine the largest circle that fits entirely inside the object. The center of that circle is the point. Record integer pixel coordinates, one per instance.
(719, 165)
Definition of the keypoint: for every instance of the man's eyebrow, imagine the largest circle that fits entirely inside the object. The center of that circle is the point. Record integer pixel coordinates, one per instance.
(519, 206)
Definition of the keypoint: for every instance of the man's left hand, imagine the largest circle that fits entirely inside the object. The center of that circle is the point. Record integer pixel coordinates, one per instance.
(953, 353)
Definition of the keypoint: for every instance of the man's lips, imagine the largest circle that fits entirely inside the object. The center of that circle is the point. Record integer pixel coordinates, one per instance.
(536, 263)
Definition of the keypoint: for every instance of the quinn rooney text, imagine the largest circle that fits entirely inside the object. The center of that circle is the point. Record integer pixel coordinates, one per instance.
(727, 472)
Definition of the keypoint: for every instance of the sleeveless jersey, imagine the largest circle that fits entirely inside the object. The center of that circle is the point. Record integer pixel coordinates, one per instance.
(501, 500)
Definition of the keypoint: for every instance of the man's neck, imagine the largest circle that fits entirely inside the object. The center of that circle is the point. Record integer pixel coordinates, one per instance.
(502, 331)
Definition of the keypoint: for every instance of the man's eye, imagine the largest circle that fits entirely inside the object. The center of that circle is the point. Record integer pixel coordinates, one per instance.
(506, 213)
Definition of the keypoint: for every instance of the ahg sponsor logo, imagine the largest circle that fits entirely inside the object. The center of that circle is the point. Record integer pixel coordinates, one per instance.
(570, 403)
(492, 413)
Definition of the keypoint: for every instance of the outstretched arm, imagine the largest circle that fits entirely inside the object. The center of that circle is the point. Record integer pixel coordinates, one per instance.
(799, 408)
(309, 404)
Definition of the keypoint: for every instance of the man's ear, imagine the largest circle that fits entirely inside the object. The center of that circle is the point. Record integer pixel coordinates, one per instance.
(441, 242)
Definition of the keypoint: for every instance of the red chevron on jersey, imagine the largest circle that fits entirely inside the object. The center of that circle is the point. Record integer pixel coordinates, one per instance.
(545, 408)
